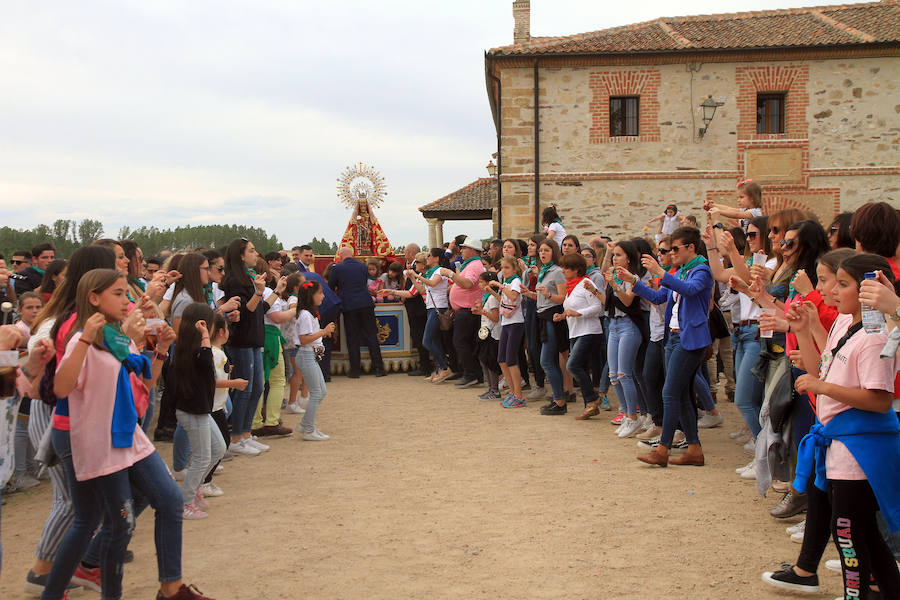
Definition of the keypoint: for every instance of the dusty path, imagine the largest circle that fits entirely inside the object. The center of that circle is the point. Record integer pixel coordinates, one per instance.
(425, 492)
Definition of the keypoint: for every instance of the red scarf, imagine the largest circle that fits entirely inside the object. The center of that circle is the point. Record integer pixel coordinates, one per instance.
(572, 283)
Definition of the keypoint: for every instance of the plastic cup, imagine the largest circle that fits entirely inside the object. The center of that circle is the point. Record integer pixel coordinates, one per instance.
(766, 333)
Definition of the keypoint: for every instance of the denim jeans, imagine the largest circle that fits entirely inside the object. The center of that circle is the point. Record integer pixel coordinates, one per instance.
(107, 499)
(748, 390)
(550, 360)
(533, 339)
(315, 381)
(681, 369)
(247, 365)
(654, 376)
(599, 366)
(621, 353)
(207, 449)
(181, 448)
(702, 391)
(580, 351)
(152, 485)
(432, 337)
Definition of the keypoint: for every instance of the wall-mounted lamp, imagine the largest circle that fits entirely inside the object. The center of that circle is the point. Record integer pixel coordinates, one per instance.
(709, 107)
(491, 169)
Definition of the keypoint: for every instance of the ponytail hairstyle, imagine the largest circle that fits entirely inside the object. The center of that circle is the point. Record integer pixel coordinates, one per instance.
(512, 261)
(96, 281)
(219, 324)
(861, 263)
(305, 297)
(293, 280)
(833, 259)
(549, 215)
(185, 371)
(752, 191)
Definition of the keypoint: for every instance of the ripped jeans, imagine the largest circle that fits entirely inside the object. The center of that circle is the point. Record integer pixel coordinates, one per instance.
(108, 496)
(623, 343)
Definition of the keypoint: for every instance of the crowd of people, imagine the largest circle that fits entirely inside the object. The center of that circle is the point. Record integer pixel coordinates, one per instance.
(796, 323)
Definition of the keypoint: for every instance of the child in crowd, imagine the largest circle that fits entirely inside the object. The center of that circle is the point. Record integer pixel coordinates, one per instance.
(376, 282)
(668, 222)
(193, 379)
(30, 305)
(311, 350)
(294, 378)
(508, 293)
(749, 204)
(489, 336)
(553, 226)
(393, 279)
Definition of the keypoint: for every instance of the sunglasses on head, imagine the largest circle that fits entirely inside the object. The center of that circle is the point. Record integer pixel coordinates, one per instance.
(788, 244)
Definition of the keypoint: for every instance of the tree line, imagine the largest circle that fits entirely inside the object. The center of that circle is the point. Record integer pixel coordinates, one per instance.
(67, 235)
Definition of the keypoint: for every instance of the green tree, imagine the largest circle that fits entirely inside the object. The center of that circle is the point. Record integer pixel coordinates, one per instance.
(89, 231)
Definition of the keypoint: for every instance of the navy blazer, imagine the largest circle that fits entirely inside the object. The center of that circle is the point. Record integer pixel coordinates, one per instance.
(331, 305)
(350, 279)
(693, 310)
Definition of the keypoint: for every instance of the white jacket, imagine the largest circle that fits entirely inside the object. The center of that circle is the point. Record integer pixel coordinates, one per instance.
(588, 306)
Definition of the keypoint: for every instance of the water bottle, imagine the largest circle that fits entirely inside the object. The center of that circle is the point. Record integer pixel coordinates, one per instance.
(872, 319)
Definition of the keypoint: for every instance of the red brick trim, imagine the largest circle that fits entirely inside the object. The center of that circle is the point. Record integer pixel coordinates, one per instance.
(635, 82)
(843, 171)
(620, 175)
(792, 80)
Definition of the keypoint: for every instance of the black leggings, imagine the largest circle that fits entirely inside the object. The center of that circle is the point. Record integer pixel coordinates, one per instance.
(862, 549)
(222, 423)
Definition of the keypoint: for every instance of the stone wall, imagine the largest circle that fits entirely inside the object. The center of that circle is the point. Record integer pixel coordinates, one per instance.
(840, 148)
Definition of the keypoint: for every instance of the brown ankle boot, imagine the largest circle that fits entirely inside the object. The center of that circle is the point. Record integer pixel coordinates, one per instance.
(658, 456)
(693, 456)
(591, 409)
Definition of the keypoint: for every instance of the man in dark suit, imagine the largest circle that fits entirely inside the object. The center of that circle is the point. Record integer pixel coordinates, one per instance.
(303, 257)
(349, 278)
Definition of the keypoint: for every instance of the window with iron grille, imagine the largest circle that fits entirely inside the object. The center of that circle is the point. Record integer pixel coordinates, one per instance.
(624, 116)
(770, 113)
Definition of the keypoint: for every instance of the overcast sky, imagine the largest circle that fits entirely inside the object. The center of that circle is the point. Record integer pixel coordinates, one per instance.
(169, 112)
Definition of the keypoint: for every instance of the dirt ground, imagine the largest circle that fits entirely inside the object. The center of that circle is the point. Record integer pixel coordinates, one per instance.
(425, 492)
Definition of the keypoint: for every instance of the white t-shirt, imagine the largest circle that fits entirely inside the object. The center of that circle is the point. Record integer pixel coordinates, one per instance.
(490, 304)
(745, 223)
(673, 322)
(516, 306)
(288, 327)
(277, 306)
(221, 395)
(307, 324)
(218, 294)
(170, 293)
(626, 286)
(436, 296)
(559, 232)
(670, 224)
(657, 322)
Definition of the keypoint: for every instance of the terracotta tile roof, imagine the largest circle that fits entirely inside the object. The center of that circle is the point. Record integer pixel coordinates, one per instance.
(479, 195)
(795, 27)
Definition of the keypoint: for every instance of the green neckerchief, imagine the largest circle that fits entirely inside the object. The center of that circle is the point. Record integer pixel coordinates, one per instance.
(791, 290)
(589, 269)
(617, 280)
(544, 270)
(141, 284)
(116, 342)
(484, 299)
(130, 299)
(530, 261)
(251, 272)
(41, 271)
(431, 271)
(685, 269)
(513, 278)
(466, 262)
(558, 221)
(207, 290)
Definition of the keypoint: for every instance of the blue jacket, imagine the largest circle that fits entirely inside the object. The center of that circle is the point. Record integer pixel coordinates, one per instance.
(331, 305)
(874, 441)
(350, 279)
(693, 310)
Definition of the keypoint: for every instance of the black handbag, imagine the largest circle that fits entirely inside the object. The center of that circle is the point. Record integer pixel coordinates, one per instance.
(718, 326)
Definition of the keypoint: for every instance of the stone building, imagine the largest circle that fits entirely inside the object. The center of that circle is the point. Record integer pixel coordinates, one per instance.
(607, 125)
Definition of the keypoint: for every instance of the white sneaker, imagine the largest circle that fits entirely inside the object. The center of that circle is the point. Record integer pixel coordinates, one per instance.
(303, 401)
(709, 420)
(736, 434)
(294, 409)
(801, 526)
(646, 422)
(210, 490)
(536, 393)
(749, 466)
(191, 512)
(750, 473)
(621, 426)
(178, 475)
(630, 428)
(253, 443)
(833, 565)
(315, 436)
(797, 538)
(243, 448)
(219, 468)
(501, 385)
(750, 447)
